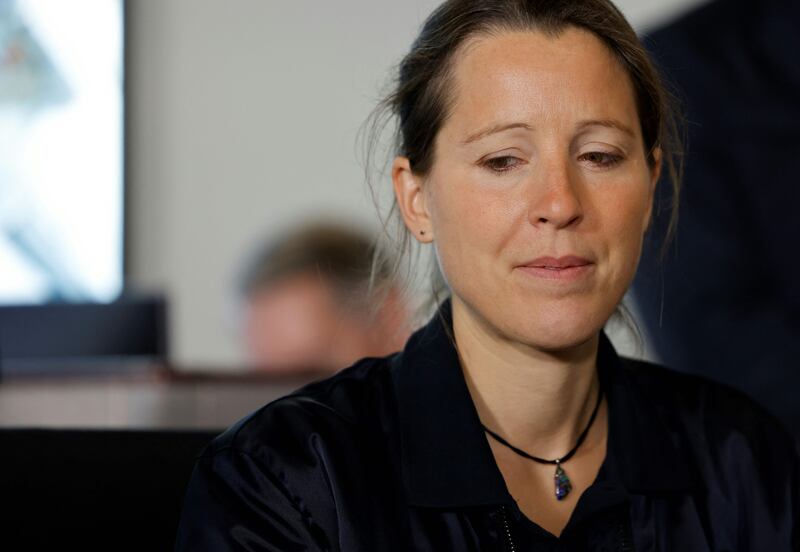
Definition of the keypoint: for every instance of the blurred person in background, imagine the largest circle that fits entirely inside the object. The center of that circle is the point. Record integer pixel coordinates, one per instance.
(724, 301)
(312, 303)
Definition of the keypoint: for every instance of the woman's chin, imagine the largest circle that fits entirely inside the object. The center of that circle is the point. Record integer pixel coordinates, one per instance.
(548, 326)
(556, 334)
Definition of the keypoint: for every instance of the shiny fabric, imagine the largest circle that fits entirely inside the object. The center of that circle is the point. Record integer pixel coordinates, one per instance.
(389, 455)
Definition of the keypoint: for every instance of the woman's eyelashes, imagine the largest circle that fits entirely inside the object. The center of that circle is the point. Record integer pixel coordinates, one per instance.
(602, 159)
(502, 164)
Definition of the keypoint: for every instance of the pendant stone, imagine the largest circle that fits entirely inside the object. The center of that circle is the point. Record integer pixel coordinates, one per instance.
(563, 484)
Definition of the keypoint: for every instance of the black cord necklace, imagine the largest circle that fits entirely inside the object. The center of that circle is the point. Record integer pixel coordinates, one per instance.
(563, 484)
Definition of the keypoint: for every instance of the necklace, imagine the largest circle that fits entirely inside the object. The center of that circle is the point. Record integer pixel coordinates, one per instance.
(563, 484)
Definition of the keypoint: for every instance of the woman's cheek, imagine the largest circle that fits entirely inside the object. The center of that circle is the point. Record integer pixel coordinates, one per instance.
(463, 225)
(460, 211)
(630, 236)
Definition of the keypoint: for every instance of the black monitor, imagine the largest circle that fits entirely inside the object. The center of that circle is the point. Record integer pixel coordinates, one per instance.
(126, 335)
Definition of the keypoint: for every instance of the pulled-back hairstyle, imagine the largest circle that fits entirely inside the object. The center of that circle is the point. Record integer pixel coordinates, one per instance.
(422, 93)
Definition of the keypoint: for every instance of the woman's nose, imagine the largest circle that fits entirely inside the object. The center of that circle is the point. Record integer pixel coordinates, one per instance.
(554, 197)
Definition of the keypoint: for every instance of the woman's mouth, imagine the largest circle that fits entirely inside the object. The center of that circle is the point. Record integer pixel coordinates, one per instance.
(566, 268)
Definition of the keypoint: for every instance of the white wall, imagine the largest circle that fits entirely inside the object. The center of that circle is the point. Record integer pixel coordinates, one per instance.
(243, 118)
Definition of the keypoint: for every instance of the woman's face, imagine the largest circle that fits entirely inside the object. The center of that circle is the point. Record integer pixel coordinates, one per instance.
(540, 192)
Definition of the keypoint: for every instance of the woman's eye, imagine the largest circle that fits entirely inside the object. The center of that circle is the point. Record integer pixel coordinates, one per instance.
(501, 164)
(602, 159)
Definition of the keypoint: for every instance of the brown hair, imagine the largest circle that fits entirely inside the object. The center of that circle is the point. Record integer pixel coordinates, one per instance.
(340, 255)
(420, 101)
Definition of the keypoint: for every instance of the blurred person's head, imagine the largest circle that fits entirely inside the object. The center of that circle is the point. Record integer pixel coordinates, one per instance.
(311, 301)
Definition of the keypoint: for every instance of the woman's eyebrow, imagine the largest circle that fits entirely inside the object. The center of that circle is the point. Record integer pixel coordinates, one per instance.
(608, 123)
(581, 126)
(494, 129)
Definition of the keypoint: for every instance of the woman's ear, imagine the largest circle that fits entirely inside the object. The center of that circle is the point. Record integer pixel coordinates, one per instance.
(411, 200)
(655, 175)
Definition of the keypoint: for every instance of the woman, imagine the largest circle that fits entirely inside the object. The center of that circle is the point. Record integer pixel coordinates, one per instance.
(532, 135)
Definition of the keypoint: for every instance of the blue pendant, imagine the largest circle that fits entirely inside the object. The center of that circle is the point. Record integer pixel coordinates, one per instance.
(563, 484)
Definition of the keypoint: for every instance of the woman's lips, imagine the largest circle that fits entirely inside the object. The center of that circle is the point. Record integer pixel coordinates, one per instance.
(567, 268)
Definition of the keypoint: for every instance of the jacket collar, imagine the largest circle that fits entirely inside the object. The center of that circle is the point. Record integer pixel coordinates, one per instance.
(446, 459)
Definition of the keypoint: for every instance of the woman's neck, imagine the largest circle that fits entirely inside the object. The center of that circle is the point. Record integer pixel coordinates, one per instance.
(539, 400)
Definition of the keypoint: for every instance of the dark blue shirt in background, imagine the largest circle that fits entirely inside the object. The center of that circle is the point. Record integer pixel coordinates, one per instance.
(725, 302)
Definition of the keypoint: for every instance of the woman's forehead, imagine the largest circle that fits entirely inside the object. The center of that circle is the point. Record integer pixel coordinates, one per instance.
(539, 78)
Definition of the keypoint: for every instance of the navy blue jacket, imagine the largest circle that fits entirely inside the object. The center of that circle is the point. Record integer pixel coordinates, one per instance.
(389, 455)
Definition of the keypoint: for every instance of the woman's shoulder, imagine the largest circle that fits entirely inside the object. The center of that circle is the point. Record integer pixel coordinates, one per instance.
(741, 464)
(715, 423)
(696, 399)
(278, 472)
(350, 401)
